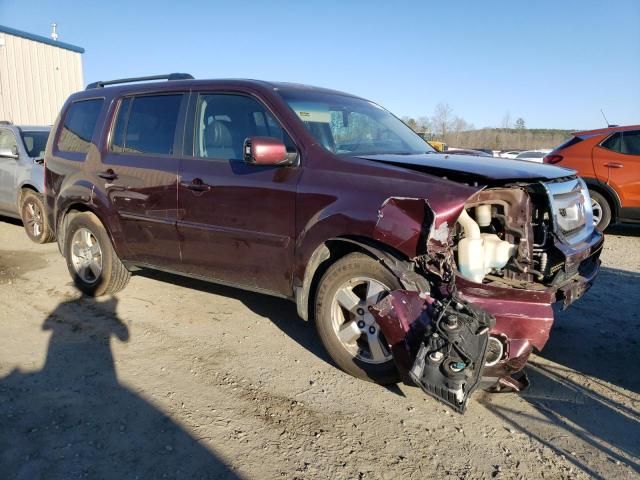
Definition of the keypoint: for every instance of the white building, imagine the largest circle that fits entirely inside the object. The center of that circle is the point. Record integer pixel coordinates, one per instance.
(37, 74)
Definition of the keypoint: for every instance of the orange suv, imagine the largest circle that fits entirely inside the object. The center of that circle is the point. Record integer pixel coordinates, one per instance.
(608, 160)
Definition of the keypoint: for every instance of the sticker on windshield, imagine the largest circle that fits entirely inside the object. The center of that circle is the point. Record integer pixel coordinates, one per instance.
(312, 112)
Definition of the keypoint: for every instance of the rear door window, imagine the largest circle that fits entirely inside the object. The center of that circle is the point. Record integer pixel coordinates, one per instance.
(79, 124)
(631, 142)
(147, 124)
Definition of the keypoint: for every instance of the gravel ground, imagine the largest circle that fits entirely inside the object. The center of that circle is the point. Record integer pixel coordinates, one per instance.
(175, 378)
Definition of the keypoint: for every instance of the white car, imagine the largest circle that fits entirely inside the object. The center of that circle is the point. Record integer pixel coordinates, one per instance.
(509, 154)
(533, 155)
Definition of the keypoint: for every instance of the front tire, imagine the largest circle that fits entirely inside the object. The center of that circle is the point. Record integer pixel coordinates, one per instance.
(92, 262)
(348, 331)
(34, 218)
(601, 210)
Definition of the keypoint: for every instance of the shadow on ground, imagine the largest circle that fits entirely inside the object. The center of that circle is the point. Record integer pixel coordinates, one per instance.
(599, 335)
(73, 419)
(626, 230)
(581, 379)
(282, 313)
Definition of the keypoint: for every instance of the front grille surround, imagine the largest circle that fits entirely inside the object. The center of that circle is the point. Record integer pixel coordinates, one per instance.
(571, 211)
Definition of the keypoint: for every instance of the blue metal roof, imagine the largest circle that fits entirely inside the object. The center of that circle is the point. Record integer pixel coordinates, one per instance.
(38, 38)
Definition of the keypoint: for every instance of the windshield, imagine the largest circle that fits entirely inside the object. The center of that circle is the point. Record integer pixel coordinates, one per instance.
(351, 126)
(35, 142)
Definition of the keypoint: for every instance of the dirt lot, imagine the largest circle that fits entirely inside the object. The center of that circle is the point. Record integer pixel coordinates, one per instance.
(175, 378)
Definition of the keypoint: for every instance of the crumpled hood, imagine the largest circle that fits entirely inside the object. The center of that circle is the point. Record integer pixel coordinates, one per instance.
(488, 168)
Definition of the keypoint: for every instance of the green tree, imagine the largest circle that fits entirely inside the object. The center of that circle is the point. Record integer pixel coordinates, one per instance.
(520, 125)
(411, 123)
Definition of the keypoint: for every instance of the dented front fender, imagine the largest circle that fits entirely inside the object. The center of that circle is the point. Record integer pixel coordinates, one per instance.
(422, 228)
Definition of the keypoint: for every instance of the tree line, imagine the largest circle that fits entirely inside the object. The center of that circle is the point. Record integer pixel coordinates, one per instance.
(455, 131)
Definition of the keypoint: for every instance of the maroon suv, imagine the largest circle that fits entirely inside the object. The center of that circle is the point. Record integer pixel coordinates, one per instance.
(435, 268)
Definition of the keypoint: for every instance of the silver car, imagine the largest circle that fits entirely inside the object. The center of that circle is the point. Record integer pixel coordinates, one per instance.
(22, 177)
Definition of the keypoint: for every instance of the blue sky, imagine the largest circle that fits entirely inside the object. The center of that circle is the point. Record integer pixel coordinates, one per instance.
(553, 63)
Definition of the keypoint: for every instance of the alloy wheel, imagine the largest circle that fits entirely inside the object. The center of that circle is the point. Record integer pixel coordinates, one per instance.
(597, 212)
(34, 219)
(353, 324)
(86, 255)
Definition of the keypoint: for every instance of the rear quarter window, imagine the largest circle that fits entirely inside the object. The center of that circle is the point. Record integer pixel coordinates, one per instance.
(78, 125)
(570, 143)
(614, 142)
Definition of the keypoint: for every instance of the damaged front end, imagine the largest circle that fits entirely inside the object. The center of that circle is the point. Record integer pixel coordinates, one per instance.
(496, 265)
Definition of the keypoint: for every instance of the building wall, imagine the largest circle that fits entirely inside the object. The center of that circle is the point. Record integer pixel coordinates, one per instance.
(35, 79)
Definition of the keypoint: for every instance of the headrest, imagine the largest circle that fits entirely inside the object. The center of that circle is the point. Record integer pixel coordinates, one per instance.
(218, 135)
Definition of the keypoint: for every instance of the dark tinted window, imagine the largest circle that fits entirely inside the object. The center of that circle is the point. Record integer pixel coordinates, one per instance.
(35, 142)
(79, 124)
(631, 142)
(117, 142)
(570, 143)
(224, 122)
(614, 142)
(147, 125)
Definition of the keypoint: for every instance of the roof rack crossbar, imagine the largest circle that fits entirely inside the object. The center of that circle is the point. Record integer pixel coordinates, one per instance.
(169, 76)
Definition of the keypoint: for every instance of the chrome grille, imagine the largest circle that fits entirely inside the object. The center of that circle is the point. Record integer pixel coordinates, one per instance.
(570, 210)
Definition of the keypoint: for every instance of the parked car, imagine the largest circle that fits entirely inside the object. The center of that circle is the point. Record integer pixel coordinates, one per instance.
(532, 155)
(608, 159)
(488, 151)
(467, 151)
(415, 264)
(22, 178)
(510, 154)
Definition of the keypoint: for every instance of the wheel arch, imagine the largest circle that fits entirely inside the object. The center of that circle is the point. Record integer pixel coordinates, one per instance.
(24, 187)
(68, 213)
(333, 249)
(607, 192)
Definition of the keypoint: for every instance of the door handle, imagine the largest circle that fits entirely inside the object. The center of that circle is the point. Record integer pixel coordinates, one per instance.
(196, 185)
(108, 175)
(614, 165)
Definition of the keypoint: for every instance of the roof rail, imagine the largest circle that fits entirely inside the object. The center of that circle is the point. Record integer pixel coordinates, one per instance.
(169, 76)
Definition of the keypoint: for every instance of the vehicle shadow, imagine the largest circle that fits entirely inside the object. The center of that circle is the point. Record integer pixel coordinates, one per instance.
(281, 312)
(599, 335)
(73, 418)
(11, 220)
(584, 384)
(625, 230)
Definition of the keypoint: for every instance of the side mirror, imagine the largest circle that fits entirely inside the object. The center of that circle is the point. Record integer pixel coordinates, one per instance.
(7, 152)
(264, 151)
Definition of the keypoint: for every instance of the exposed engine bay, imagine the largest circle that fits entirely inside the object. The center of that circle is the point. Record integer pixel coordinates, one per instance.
(506, 235)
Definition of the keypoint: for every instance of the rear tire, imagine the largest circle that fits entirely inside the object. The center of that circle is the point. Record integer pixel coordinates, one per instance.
(34, 218)
(92, 262)
(601, 210)
(344, 324)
